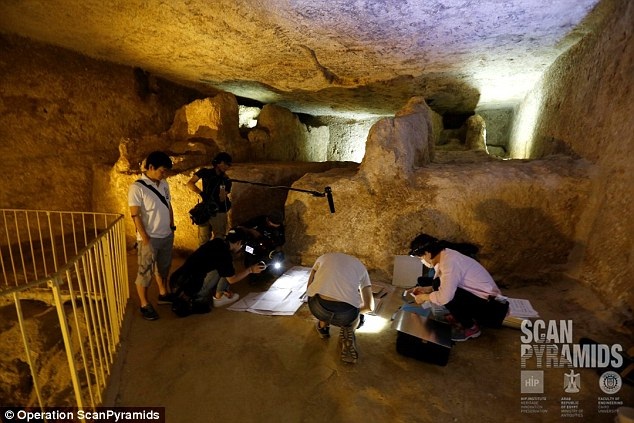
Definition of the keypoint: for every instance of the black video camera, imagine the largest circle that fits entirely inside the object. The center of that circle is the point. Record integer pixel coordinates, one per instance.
(264, 251)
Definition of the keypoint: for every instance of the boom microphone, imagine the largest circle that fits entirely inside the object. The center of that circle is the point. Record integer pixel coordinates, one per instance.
(327, 191)
(331, 202)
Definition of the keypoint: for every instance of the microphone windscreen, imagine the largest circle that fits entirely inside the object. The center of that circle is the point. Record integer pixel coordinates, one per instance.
(331, 201)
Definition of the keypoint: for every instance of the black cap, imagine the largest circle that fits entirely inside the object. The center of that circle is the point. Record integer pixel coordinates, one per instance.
(418, 244)
(276, 218)
(222, 157)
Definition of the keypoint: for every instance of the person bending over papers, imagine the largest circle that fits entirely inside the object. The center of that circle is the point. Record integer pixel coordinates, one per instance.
(466, 289)
(339, 289)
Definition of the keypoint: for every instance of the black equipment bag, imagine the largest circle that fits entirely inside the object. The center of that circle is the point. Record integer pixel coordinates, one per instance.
(202, 212)
(182, 306)
(185, 287)
(414, 347)
(494, 313)
(422, 338)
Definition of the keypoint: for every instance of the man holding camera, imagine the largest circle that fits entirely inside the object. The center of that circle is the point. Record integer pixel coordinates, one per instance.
(216, 187)
(207, 273)
(265, 237)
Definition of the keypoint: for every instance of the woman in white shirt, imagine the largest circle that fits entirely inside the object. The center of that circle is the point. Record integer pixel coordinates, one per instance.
(466, 289)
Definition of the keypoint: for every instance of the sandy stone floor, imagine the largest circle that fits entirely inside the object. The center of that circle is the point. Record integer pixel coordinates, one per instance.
(229, 366)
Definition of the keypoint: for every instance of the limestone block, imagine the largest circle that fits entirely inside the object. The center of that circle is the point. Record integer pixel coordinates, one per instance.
(395, 146)
(212, 119)
(133, 151)
(258, 139)
(315, 147)
(476, 133)
(347, 139)
(285, 134)
(248, 116)
(437, 127)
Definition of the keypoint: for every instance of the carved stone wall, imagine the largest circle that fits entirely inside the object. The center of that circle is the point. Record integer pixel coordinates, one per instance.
(587, 109)
(522, 214)
(62, 113)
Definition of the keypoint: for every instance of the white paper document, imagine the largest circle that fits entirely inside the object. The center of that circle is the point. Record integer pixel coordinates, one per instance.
(283, 298)
(521, 308)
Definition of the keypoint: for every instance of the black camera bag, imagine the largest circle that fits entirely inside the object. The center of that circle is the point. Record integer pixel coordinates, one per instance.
(422, 338)
(414, 347)
(202, 212)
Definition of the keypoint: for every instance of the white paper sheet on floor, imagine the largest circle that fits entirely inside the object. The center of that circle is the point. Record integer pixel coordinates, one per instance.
(283, 298)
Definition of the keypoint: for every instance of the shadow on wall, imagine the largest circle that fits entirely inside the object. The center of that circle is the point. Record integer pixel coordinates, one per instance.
(426, 220)
(528, 227)
(299, 230)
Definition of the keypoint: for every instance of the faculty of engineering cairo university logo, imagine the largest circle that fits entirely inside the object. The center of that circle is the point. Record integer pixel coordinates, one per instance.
(610, 382)
(549, 344)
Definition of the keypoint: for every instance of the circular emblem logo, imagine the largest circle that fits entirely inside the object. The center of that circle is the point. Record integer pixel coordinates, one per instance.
(610, 382)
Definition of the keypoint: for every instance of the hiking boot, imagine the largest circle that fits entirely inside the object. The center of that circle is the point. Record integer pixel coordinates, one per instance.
(459, 334)
(323, 332)
(349, 352)
(225, 300)
(166, 299)
(149, 313)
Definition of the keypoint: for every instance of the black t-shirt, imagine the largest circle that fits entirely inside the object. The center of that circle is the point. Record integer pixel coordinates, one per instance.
(212, 255)
(211, 187)
(275, 235)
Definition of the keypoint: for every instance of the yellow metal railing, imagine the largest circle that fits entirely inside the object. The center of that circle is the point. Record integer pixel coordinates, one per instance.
(73, 263)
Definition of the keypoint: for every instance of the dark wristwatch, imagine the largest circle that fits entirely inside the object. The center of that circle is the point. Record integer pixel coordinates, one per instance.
(173, 228)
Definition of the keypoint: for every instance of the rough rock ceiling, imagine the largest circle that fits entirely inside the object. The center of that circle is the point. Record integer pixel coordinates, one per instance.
(331, 57)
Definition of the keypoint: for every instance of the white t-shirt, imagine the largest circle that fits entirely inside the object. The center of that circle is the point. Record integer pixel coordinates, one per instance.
(459, 271)
(339, 276)
(154, 214)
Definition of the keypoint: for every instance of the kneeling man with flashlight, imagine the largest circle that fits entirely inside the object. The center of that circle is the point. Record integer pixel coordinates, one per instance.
(205, 276)
(265, 237)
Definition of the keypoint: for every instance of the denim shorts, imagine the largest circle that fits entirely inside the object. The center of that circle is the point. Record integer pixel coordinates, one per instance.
(336, 313)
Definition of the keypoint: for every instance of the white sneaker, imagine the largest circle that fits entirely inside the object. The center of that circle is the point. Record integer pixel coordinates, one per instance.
(224, 300)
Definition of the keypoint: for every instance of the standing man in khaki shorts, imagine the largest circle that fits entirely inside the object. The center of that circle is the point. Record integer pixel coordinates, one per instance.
(149, 200)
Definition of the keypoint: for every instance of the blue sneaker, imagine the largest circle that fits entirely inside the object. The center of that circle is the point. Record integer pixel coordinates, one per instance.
(459, 334)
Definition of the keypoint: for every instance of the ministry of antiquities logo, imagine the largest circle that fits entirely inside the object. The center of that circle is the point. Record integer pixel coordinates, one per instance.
(572, 382)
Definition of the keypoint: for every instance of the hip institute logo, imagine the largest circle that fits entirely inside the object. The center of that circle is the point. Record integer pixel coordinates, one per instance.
(532, 382)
